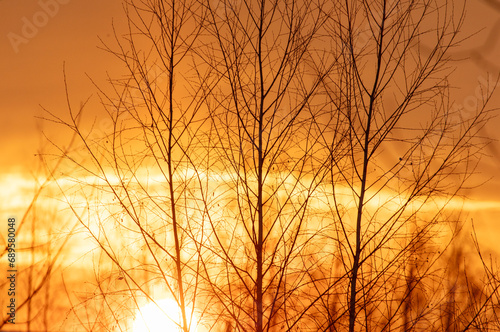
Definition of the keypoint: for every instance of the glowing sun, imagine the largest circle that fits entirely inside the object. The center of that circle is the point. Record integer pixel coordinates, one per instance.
(162, 315)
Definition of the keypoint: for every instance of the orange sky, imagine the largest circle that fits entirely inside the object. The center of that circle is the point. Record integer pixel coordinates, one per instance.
(31, 75)
(31, 71)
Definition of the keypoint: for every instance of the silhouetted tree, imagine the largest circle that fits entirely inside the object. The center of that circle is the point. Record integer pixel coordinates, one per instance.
(280, 165)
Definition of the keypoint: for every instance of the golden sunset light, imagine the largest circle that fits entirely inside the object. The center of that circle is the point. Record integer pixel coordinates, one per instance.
(161, 315)
(250, 165)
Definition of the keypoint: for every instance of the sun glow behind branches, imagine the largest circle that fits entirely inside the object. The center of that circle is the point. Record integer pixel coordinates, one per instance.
(165, 315)
(162, 315)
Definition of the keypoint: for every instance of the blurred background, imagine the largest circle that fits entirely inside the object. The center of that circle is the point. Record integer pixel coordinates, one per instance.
(40, 38)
